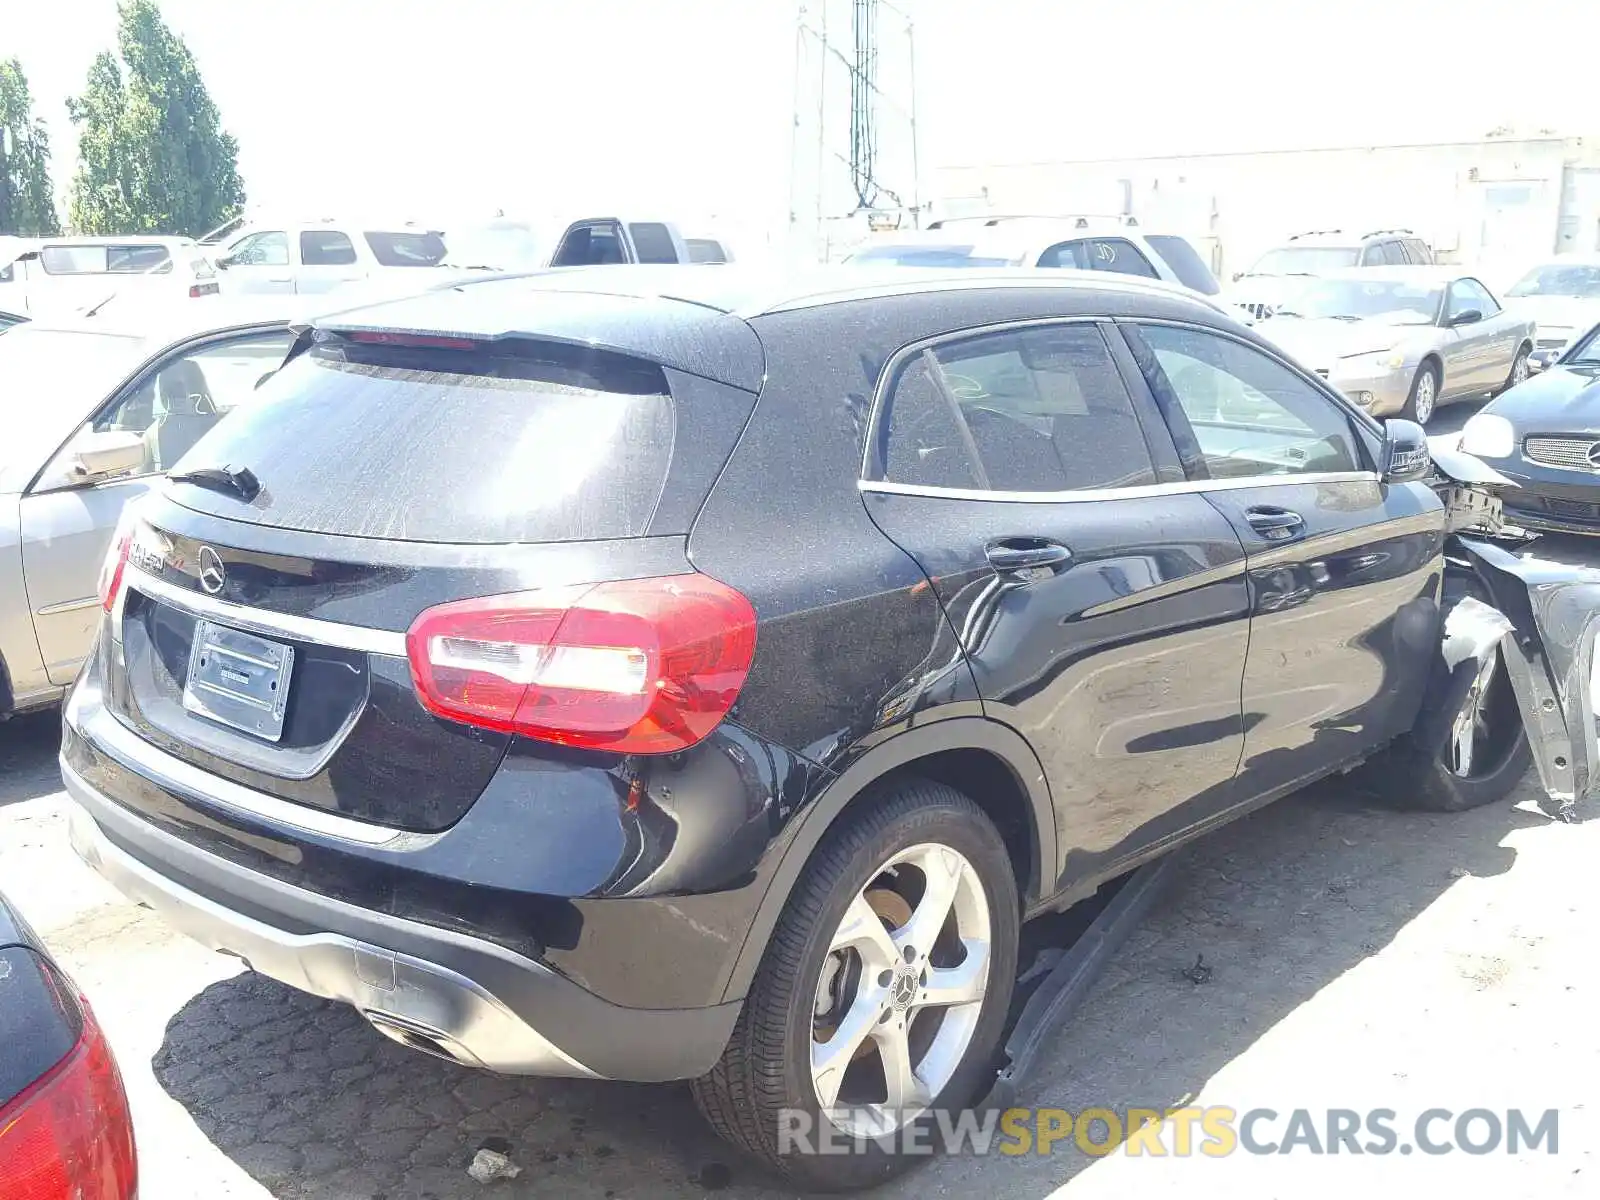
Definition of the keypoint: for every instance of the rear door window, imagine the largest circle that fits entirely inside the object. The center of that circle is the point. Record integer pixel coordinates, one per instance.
(590, 245)
(326, 248)
(652, 242)
(465, 446)
(405, 249)
(1037, 410)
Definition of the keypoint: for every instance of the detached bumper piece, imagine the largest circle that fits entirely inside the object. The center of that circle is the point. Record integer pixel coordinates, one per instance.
(1554, 612)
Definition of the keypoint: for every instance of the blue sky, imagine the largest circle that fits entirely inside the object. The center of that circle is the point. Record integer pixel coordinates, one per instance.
(534, 105)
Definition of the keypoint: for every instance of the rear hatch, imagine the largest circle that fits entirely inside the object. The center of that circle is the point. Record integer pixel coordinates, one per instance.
(269, 587)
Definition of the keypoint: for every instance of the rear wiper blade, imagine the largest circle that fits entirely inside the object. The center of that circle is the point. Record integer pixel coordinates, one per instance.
(240, 481)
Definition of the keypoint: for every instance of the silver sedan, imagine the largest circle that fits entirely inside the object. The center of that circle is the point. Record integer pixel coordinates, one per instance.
(91, 413)
(1405, 339)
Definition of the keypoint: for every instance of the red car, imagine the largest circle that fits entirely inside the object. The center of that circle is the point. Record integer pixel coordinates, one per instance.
(65, 1130)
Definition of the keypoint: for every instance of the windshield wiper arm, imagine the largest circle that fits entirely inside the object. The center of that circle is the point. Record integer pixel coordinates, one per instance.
(240, 481)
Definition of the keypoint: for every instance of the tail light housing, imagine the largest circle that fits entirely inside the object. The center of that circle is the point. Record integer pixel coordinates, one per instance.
(69, 1135)
(116, 562)
(638, 666)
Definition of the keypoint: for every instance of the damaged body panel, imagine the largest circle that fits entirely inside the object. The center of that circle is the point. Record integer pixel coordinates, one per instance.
(1542, 621)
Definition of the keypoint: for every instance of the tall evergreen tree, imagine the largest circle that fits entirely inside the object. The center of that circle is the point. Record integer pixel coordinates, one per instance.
(153, 156)
(27, 200)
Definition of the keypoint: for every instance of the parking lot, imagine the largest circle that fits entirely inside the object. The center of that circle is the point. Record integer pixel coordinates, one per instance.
(1360, 959)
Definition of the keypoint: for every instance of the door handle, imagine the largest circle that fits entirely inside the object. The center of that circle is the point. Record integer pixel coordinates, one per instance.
(1273, 523)
(1026, 553)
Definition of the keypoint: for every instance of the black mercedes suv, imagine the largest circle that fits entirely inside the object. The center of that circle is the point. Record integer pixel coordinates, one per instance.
(646, 674)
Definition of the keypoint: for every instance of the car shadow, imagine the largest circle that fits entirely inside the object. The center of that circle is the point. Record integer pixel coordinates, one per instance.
(314, 1104)
(28, 747)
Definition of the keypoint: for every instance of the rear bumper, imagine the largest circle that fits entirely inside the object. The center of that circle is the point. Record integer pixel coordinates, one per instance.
(465, 998)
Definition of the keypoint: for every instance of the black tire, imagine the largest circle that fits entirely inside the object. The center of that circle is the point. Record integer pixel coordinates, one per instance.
(1409, 775)
(766, 1068)
(1410, 411)
(1519, 370)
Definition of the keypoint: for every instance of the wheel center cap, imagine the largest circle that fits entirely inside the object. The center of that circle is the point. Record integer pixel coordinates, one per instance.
(903, 990)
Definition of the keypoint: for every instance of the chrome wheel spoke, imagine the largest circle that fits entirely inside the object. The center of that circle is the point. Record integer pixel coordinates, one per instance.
(831, 1058)
(904, 1089)
(862, 930)
(941, 870)
(961, 984)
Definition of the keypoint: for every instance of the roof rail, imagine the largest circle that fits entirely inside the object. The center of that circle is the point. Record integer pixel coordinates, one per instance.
(1295, 237)
(1380, 232)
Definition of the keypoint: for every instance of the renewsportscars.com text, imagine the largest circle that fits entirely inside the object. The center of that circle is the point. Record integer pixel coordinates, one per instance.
(1213, 1132)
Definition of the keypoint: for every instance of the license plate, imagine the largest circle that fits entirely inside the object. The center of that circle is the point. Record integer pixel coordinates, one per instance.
(238, 679)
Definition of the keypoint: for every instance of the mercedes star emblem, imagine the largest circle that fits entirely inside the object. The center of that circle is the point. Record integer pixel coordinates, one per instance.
(212, 575)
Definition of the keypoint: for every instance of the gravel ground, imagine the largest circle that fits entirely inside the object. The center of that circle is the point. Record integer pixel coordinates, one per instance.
(1360, 958)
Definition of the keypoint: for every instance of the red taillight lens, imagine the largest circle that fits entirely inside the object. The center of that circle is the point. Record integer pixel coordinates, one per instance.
(116, 562)
(638, 666)
(70, 1136)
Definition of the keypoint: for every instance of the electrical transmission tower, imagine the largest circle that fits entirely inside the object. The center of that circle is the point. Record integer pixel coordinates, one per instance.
(854, 164)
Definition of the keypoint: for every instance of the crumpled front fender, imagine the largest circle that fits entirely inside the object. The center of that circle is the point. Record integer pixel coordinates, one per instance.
(1553, 610)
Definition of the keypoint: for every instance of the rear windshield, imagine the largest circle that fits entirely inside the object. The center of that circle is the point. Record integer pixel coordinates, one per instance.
(406, 249)
(449, 445)
(104, 260)
(1188, 266)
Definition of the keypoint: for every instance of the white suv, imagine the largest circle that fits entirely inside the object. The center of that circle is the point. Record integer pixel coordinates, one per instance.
(321, 256)
(63, 275)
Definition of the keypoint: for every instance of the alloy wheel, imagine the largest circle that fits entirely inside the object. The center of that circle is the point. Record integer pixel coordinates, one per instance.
(900, 991)
(1425, 397)
(1484, 733)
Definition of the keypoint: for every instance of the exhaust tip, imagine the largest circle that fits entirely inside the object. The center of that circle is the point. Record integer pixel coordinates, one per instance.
(415, 1037)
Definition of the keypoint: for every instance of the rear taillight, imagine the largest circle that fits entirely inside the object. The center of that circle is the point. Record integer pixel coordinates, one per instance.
(115, 564)
(70, 1136)
(197, 290)
(638, 666)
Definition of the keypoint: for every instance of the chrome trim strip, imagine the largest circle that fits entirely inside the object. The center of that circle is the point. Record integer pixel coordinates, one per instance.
(115, 739)
(1128, 493)
(50, 610)
(255, 620)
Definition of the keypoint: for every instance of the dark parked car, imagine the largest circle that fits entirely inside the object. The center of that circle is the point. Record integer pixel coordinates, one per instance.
(1544, 436)
(64, 1124)
(653, 674)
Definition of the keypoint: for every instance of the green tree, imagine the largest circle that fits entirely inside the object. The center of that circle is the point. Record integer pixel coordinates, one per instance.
(27, 201)
(152, 154)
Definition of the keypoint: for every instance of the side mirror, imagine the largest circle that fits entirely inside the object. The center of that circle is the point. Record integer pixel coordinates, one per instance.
(100, 455)
(1469, 316)
(1405, 452)
(222, 262)
(1238, 275)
